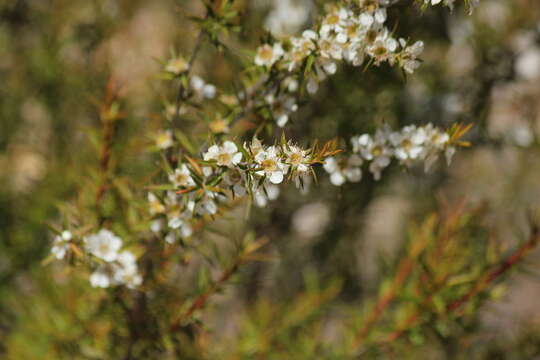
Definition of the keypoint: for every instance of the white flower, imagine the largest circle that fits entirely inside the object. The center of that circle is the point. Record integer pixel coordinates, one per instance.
(177, 222)
(156, 207)
(182, 177)
(101, 277)
(235, 180)
(281, 107)
(201, 88)
(207, 204)
(408, 143)
(226, 155)
(329, 48)
(156, 226)
(383, 47)
(164, 139)
(301, 48)
(342, 171)
(409, 55)
(267, 55)
(271, 164)
(376, 150)
(288, 16)
(177, 66)
(266, 192)
(297, 158)
(125, 270)
(255, 147)
(334, 21)
(61, 244)
(104, 245)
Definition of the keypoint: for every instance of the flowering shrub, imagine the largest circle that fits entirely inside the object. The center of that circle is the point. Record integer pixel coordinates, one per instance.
(220, 216)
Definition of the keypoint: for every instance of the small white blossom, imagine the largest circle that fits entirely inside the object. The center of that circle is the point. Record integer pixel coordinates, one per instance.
(271, 164)
(101, 277)
(177, 66)
(164, 139)
(61, 244)
(104, 245)
(266, 192)
(225, 155)
(182, 177)
(156, 207)
(267, 55)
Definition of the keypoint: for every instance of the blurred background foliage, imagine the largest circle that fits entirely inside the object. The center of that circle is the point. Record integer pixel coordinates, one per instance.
(409, 245)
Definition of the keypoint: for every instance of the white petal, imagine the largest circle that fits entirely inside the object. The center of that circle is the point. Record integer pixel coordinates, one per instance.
(236, 158)
(276, 177)
(212, 153)
(282, 120)
(229, 147)
(337, 179)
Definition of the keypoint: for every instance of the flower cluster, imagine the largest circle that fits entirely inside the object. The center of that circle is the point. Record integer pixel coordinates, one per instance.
(226, 172)
(472, 4)
(114, 267)
(408, 146)
(352, 35)
(344, 35)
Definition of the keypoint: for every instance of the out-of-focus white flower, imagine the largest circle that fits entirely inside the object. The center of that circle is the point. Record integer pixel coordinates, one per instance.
(181, 223)
(156, 226)
(182, 177)
(281, 107)
(264, 193)
(288, 16)
(344, 169)
(235, 181)
(61, 244)
(267, 54)
(177, 66)
(527, 65)
(156, 207)
(522, 135)
(125, 270)
(104, 245)
(101, 277)
(225, 155)
(202, 88)
(164, 139)
(271, 164)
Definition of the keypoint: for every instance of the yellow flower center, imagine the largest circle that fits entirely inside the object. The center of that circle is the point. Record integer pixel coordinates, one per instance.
(224, 159)
(332, 19)
(295, 158)
(269, 165)
(266, 53)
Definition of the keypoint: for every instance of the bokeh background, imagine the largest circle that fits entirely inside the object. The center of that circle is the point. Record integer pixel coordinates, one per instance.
(56, 57)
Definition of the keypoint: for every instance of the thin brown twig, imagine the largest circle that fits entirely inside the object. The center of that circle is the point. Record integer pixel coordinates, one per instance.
(404, 269)
(108, 120)
(485, 281)
(201, 300)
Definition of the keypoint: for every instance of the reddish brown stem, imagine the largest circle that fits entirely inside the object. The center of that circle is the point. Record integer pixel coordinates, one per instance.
(201, 300)
(486, 280)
